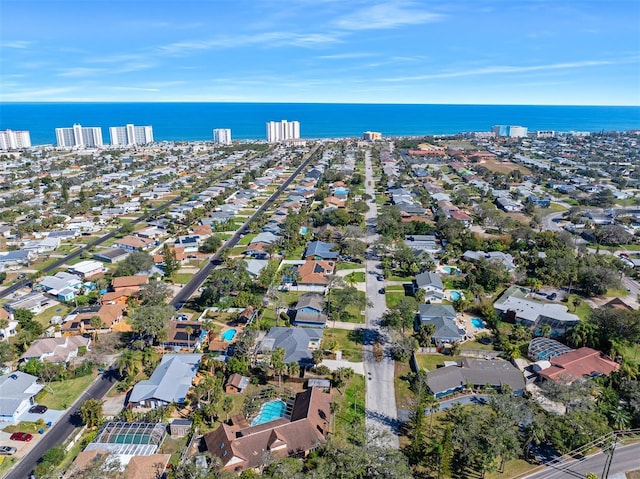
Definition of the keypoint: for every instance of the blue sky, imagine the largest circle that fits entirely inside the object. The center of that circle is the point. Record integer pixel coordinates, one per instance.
(564, 52)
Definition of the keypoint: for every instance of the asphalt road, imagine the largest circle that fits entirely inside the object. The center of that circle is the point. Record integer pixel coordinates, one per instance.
(200, 277)
(625, 459)
(381, 415)
(61, 430)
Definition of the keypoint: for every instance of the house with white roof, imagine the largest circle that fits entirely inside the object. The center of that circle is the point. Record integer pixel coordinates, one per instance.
(169, 383)
(56, 350)
(17, 394)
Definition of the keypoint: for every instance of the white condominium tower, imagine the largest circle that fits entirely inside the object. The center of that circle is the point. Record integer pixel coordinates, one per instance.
(14, 140)
(282, 130)
(222, 136)
(78, 135)
(131, 135)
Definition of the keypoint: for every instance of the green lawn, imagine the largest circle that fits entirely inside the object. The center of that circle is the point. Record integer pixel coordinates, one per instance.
(617, 293)
(476, 345)
(432, 361)
(403, 393)
(351, 350)
(182, 278)
(406, 279)
(357, 277)
(582, 311)
(44, 318)
(393, 298)
(61, 394)
(631, 352)
(351, 407)
(296, 253)
(246, 240)
(23, 426)
(344, 266)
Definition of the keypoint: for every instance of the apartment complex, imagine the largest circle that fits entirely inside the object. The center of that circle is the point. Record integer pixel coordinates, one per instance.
(80, 136)
(511, 131)
(282, 130)
(372, 135)
(131, 135)
(14, 140)
(222, 136)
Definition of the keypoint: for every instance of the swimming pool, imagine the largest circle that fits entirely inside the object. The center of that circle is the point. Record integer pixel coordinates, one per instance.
(341, 191)
(303, 230)
(270, 411)
(229, 334)
(450, 270)
(477, 323)
(455, 295)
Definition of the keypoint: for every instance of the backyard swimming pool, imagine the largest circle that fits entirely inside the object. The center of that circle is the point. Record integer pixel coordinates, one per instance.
(269, 411)
(455, 295)
(477, 323)
(341, 191)
(229, 334)
(450, 270)
(303, 230)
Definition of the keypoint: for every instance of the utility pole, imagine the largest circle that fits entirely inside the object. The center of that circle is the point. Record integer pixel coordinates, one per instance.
(611, 448)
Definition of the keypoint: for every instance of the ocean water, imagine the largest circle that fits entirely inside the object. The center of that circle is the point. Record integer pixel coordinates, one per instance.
(195, 121)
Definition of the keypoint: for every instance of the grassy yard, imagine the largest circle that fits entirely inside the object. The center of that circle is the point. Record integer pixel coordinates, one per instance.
(432, 361)
(61, 394)
(23, 426)
(393, 298)
(357, 277)
(476, 345)
(296, 253)
(44, 318)
(345, 266)
(582, 311)
(246, 240)
(351, 350)
(182, 278)
(403, 394)
(350, 407)
(406, 279)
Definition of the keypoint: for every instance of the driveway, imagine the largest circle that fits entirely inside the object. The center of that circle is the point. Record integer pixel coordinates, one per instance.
(51, 415)
(334, 364)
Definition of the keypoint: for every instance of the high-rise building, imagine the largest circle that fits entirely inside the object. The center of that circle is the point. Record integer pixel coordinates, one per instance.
(372, 135)
(131, 135)
(222, 136)
(282, 130)
(511, 131)
(14, 140)
(89, 137)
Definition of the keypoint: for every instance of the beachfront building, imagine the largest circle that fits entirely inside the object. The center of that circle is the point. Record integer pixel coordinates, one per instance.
(512, 131)
(372, 135)
(282, 130)
(14, 140)
(79, 136)
(222, 136)
(131, 135)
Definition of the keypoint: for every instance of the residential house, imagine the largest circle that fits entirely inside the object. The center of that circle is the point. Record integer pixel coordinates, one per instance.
(17, 258)
(62, 285)
(431, 284)
(579, 363)
(443, 317)
(475, 373)
(513, 307)
(79, 321)
(34, 302)
(135, 282)
(180, 337)
(189, 243)
(10, 330)
(236, 384)
(320, 250)
(309, 311)
(505, 258)
(313, 275)
(298, 343)
(56, 350)
(428, 244)
(248, 314)
(169, 383)
(111, 255)
(134, 243)
(18, 393)
(88, 269)
(240, 446)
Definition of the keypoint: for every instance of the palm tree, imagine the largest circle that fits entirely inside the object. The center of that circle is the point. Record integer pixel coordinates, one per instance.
(433, 405)
(535, 433)
(189, 331)
(545, 330)
(620, 418)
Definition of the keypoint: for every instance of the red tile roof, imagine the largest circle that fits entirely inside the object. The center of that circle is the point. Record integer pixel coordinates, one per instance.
(578, 363)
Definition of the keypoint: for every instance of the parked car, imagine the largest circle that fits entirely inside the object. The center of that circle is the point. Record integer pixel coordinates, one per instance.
(38, 409)
(552, 296)
(381, 291)
(21, 436)
(380, 277)
(7, 450)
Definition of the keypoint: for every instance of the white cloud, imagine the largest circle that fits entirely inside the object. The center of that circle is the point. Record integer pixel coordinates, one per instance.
(493, 70)
(346, 56)
(21, 44)
(386, 16)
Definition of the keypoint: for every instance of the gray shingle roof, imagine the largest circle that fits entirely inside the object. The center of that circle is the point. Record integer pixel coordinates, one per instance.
(295, 342)
(170, 381)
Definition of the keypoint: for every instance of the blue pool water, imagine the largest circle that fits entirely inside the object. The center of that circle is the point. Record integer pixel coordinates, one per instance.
(477, 323)
(303, 230)
(450, 270)
(341, 191)
(455, 295)
(269, 411)
(229, 334)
